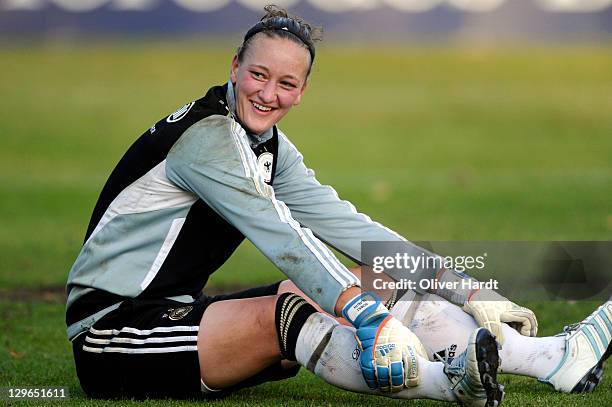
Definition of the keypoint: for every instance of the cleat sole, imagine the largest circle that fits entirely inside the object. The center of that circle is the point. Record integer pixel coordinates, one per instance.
(488, 362)
(591, 380)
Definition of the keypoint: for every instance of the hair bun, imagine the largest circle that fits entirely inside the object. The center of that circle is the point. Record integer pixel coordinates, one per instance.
(287, 24)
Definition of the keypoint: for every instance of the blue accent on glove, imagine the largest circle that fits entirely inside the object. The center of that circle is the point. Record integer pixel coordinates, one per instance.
(366, 313)
(397, 373)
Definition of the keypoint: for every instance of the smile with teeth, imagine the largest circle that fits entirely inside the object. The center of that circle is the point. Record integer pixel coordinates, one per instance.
(261, 107)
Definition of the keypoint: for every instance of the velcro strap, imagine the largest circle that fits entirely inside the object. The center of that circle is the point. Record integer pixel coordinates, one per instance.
(362, 308)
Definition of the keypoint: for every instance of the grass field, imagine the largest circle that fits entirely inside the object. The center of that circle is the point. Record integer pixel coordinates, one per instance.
(438, 143)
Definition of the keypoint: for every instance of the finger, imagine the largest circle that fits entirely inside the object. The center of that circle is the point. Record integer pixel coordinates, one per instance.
(397, 374)
(526, 329)
(382, 376)
(530, 327)
(522, 318)
(368, 369)
(534, 326)
(532, 320)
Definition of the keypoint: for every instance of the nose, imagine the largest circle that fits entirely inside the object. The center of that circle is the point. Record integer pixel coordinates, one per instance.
(267, 94)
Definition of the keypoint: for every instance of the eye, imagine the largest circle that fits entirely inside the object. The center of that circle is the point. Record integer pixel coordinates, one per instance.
(288, 85)
(257, 75)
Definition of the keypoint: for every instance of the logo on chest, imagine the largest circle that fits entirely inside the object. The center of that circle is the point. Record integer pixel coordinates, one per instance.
(264, 164)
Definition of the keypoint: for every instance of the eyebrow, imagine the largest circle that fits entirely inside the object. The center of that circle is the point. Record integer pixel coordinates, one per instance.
(260, 67)
(267, 70)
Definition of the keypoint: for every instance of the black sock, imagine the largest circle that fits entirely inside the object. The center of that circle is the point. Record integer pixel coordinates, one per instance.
(292, 311)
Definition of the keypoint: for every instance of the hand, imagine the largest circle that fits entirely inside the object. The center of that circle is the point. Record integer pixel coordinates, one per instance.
(388, 357)
(490, 309)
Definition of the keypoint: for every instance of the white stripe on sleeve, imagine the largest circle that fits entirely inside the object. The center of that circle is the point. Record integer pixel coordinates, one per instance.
(248, 162)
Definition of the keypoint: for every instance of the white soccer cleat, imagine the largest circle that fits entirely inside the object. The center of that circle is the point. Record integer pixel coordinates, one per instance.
(473, 374)
(587, 346)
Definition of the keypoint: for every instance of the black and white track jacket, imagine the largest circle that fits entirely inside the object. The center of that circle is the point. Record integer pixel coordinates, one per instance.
(186, 194)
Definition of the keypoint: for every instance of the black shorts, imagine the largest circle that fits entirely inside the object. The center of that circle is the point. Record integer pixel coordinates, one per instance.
(148, 348)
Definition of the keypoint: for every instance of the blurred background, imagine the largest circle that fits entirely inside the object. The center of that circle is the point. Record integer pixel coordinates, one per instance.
(442, 119)
(411, 20)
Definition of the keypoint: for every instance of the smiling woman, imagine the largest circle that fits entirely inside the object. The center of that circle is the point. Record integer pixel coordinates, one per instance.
(271, 68)
(175, 208)
(270, 79)
(177, 205)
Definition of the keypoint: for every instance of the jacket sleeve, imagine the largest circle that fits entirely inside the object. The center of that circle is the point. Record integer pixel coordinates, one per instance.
(319, 208)
(213, 160)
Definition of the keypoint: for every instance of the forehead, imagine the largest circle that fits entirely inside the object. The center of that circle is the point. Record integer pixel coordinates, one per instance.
(280, 55)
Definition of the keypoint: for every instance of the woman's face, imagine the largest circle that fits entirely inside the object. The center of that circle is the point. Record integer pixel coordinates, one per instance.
(269, 81)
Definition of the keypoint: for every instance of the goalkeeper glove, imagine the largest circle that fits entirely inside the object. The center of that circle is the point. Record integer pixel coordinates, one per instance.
(490, 309)
(389, 350)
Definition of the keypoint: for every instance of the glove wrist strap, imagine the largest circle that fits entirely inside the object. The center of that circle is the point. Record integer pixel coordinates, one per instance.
(362, 308)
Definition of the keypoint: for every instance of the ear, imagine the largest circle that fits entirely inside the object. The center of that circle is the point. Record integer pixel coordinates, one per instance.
(299, 98)
(234, 69)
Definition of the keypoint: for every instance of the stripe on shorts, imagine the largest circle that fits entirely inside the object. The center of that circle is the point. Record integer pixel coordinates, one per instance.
(116, 341)
(169, 349)
(116, 332)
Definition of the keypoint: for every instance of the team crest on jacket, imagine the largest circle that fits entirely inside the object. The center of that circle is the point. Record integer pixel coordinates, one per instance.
(180, 113)
(179, 313)
(264, 164)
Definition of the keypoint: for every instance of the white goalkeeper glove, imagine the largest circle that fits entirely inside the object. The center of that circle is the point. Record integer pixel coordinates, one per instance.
(490, 309)
(389, 350)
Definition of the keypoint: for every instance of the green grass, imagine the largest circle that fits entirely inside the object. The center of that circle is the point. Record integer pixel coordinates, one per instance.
(438, 143)
(36, 353)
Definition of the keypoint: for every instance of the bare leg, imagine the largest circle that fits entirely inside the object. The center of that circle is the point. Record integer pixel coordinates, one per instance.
(238, 339)
(227, 355)
(228, 331)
